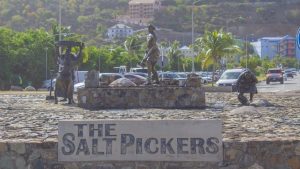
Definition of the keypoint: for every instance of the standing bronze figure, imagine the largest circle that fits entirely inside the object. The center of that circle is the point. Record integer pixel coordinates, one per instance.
(64, 86)
(151, 56)
(246, 83)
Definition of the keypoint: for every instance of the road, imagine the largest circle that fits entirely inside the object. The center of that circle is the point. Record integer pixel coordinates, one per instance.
(288, 86)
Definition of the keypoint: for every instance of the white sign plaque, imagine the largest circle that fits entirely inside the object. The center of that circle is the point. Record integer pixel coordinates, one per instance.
(140, 140)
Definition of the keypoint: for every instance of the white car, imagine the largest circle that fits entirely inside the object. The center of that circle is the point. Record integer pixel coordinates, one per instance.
(229, 77)
(78, 86)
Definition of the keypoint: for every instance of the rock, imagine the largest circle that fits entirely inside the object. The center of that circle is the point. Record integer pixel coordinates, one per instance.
(262, 103)
(249, 110)
(16, 88)
(256, 166)
(92, 79)
(122, 82)
(138, 80)
(193, 80)
(108, 78)
(30, 88)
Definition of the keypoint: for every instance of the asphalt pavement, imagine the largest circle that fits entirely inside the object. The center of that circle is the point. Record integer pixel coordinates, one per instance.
(292, 84)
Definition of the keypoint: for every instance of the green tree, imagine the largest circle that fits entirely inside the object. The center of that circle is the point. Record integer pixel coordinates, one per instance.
(214, 46)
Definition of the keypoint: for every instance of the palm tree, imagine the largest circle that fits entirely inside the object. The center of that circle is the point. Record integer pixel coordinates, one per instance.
(174, 56)
(132, 46)
(214, 46)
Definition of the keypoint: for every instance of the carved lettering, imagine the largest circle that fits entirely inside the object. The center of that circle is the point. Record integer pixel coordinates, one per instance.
(69, 145)
(126, 141)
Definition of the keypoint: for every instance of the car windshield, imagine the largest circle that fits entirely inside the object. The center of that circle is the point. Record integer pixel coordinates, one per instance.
(169, 75)
(274, 71)
(182, 75)
(230, 75)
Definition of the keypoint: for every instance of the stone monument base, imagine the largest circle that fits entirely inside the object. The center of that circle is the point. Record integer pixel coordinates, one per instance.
(170, 97)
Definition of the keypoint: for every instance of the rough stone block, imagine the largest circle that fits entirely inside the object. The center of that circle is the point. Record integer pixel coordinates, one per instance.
(297, 149)
(3, 147)
(294, 163)
(193, 80)
(19, 148)
(20, 163)
(92, 79)
(142, 97)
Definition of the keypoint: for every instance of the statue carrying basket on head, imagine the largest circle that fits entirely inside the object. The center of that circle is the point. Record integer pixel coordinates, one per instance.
(151, 55)
(64, 86)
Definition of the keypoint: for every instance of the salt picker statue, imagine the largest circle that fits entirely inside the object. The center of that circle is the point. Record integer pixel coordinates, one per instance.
(246, 83)
(151, 56)
(64, 86)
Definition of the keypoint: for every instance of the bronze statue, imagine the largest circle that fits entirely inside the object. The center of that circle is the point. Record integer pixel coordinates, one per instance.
(65, 80)
(151, 55)
(246, 83)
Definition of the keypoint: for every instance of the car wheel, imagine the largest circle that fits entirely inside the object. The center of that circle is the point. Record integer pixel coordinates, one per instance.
(267, 82)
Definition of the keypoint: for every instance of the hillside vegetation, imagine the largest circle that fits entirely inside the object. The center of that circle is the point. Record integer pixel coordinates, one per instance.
(92, 17)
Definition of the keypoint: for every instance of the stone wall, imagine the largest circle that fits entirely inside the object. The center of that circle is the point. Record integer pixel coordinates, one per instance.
(142, 97)
(237, 155)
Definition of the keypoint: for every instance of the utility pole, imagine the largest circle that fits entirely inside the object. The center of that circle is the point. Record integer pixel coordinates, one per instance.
(246, 51)
(193, 53)
(46, 69)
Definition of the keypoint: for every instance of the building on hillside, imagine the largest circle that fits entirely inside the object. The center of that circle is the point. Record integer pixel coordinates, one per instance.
(287, 47)
(298, 47)
(269, 47)
(186, 51)
(298, 53)
(119, 31)
(143, 9)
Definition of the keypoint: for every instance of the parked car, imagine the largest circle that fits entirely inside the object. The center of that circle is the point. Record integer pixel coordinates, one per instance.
(274, 75)
(107, 78)
(182, 75)
(78, 86)
(289, 73)
(205, 77)
(47, 84)
(172, 75)
(229, 77)
(139, 69)
(294, 71)
(145, 75)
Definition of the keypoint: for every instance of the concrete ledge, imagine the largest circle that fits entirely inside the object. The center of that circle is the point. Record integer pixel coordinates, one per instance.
(142, 97)
(226, 89)
(246, 155)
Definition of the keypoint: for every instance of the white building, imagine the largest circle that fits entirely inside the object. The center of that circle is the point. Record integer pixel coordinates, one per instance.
(119, 31)
(186, 51)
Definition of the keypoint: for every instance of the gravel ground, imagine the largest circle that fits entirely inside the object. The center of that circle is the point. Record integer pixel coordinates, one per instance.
(273, 116)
